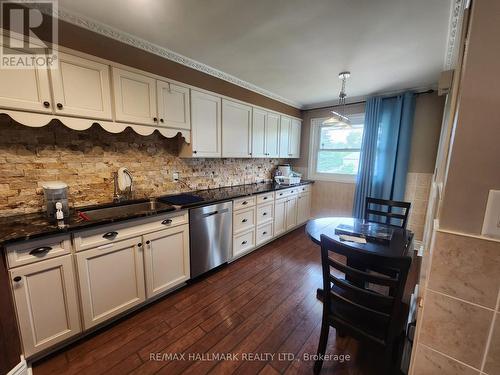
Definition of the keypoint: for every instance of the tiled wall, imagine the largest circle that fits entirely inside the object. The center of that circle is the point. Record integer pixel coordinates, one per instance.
(86, 159)
(460, 331)
(418, 186)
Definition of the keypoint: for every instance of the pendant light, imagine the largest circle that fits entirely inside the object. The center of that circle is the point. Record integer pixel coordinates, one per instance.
(339, 119)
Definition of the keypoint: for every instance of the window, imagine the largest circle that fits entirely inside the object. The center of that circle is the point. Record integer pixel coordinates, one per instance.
(335, 151)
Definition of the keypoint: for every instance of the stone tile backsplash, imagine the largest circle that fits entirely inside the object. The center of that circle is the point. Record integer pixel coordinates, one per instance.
(85, 160)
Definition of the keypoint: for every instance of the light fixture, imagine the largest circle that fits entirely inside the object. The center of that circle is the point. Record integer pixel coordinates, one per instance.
(339, 119)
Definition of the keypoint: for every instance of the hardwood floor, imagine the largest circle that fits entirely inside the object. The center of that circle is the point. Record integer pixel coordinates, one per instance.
(262, 304)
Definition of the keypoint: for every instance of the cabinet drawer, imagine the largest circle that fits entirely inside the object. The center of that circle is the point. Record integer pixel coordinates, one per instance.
(243, 242)
(241, 203)
(304, 189)
(36, 250)
(243, 220)
(264, 233)
(287, 192)
(109, 233)
(265, 213)
(265, 198)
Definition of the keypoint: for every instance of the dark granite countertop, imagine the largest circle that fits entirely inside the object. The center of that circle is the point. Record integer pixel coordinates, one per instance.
(29, 226)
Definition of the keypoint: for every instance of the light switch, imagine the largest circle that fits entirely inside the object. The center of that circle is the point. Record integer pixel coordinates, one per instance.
(491, 224)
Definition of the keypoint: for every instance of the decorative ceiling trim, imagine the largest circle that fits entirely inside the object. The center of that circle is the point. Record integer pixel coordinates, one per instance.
(454, 31)
(121, 36)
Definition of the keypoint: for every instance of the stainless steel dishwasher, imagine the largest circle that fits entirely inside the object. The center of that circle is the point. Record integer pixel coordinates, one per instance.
(210, 236)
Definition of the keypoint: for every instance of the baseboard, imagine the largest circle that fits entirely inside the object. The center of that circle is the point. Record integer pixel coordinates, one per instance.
(21, 368)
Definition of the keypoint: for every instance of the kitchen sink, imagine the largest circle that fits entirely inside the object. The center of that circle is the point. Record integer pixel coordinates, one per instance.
(124, 209)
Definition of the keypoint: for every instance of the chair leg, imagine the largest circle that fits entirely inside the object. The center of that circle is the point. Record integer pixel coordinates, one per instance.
(323, 340)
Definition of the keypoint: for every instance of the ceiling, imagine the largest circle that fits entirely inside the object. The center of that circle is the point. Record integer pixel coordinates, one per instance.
(293, 48)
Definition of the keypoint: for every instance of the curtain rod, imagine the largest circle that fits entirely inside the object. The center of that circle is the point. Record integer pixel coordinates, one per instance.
(430, 91)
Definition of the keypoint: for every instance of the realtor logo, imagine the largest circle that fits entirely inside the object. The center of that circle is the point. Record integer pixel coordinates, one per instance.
(29, 35)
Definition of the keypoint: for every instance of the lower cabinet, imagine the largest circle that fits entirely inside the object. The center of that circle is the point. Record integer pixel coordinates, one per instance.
(111, 279)
(279, 216)
(303, 208)
(166, 259)
(46, 302)
(243, 243)
(291, 212)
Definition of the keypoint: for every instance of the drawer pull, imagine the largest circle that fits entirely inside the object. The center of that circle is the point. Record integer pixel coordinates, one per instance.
(265, 198)
(244, 220)
(244, 203)
(244, 243)
(167, 221)
(264, 233)
(110, 235)
(17, 279)
(40, 250)
(264, 213)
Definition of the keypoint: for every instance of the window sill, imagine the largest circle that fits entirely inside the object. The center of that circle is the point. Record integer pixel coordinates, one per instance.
(343, 178)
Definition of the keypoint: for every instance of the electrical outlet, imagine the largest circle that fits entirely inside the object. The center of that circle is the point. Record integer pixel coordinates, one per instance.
(175, 176)
(491, 224)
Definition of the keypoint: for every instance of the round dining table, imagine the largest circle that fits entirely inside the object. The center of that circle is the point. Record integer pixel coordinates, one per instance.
(397, 246)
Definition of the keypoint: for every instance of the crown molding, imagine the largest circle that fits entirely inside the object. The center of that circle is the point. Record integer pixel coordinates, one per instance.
(134, 41)
(454, 32)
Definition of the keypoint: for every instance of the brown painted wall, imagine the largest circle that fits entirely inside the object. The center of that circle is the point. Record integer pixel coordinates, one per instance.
(475, 163)
(86, 41)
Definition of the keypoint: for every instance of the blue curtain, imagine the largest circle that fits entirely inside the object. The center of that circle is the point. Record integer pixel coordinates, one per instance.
(385, 150)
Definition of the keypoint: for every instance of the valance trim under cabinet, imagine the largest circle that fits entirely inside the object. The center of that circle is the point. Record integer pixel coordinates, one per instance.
(37, 120)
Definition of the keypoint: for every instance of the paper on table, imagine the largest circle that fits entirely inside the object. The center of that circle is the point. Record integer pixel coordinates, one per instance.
(345, 237)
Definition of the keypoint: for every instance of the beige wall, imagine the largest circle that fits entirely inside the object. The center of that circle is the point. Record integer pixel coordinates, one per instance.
(475, 160)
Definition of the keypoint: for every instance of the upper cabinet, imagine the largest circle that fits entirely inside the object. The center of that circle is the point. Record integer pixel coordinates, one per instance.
(135, 97)
(265, 134)
(290, 129)
(173, 105)
(272, 135)
(81, 88)
(236, 129)
(205, 126)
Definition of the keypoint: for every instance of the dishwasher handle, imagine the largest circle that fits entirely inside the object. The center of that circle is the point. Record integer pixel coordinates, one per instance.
(215, 212)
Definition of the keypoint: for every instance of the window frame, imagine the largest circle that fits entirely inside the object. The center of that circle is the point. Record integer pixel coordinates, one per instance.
(314, 147)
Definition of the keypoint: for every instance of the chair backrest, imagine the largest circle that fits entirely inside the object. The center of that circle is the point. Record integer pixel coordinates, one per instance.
(365, 312)
(387, 212)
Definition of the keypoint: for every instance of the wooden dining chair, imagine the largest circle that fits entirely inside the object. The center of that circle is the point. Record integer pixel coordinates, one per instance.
(360, 312)
(387, 211)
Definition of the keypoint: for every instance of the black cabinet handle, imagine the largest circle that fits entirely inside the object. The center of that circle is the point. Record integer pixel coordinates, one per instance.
(40, 250)
(110, 235)
(155, 119)
(167, 221)
(139, 244)
(264, 233)
(161, 120)
(148, 242)
(244, 203)
(195, 152)
(244, 220)
(265, 198)
(59, 105)
(46, 104)
(264, 213)
(244, 243)
(17, 279)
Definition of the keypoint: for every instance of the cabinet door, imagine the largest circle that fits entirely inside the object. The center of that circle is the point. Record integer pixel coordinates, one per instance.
(173, 105)
(279, 216)
(46, 303)
(285, 137)
(291, 212)
(111, 280)
(81, 88)
(303, 208)
(236, 130)
(166, 257)
(259, 119)
(205, 124)
(135, 97)
(294, 146)
(272, 135)
(25, 89)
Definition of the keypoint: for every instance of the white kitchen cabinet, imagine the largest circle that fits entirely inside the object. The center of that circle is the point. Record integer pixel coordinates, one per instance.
(285, 123)
(166, 259)
(291, 212)
(303, 208)
(111, 279)
(46, 302)
(294, 139)
(25, 89)
(81, 88)
(259, 120)
(272, 135)
(135, 97)
(205, 126)
(243, 243)
(279, 216)
(173, 105)
(236, 130)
